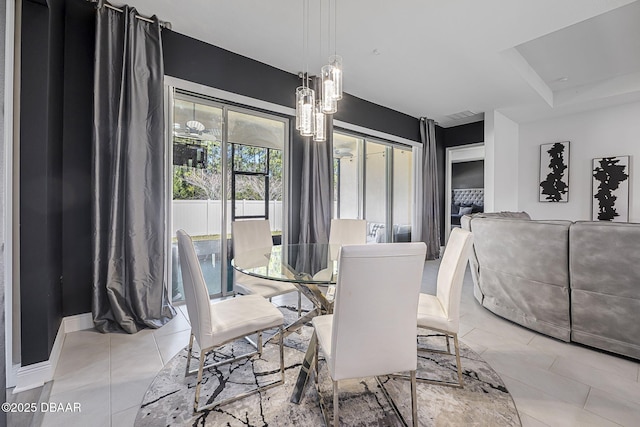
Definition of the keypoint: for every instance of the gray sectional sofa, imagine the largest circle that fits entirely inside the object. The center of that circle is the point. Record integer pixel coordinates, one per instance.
(575, 281)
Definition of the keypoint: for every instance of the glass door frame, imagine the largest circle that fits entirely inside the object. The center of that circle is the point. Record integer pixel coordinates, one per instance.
(198, 93)
(389, 175)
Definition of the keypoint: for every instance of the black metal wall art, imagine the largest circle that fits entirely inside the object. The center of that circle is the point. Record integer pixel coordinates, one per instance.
(611, 189)
(554, 172)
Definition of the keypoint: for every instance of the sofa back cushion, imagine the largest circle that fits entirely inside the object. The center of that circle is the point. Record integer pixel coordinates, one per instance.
(523, 271)
(605, 285)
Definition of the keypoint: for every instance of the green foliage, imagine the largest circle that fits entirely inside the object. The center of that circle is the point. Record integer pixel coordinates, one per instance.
(190, 183)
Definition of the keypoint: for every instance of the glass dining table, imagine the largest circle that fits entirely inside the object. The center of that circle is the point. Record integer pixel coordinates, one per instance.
(311, 269)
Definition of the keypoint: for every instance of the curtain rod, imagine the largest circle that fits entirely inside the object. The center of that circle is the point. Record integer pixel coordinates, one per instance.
(100, 3)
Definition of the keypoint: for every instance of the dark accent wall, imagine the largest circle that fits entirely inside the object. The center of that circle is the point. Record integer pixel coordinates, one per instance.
(469, 133)
(76, 157)
(55, 157)
(196, 61)
(40, 178)
(467, 174)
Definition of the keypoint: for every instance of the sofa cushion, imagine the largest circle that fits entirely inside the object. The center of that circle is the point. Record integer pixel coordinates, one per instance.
(605, 285)
(523, 271)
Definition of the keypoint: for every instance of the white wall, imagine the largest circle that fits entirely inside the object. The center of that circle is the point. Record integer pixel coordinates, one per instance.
(613, 131)
(501, 163)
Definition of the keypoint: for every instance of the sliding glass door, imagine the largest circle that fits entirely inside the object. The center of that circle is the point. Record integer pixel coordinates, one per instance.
(377, 191)
(373, 180)
(227, 164)
(197, 198)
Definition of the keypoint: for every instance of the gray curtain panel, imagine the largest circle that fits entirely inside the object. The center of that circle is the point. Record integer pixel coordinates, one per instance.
(431, 196)
(129, 241)
(316, 200)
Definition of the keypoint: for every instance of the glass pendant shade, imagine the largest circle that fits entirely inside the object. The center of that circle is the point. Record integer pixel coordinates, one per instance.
(335, 61)
(329, 104)
(305, 101)
(320, 124)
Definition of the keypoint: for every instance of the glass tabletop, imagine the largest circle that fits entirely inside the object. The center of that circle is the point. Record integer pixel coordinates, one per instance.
(299, 263)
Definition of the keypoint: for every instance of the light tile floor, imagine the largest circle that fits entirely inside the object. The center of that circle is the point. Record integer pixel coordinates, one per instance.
(553, 383)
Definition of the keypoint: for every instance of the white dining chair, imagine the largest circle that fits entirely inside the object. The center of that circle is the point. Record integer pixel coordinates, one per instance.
(251, 235)
(441, 312)
(376, 302)
(216, 324)
(342, 232)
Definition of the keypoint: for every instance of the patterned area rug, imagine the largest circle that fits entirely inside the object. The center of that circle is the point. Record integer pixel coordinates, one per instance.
(484, 400)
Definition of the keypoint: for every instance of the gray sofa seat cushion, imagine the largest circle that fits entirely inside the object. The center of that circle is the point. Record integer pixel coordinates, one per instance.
(465, 223)
(523, 271)
(605, 286)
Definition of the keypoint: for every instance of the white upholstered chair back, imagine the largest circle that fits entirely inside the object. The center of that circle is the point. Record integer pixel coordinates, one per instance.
(374, 323)
(196, 294)
(346, 232)
(451, 274)
(251, 234)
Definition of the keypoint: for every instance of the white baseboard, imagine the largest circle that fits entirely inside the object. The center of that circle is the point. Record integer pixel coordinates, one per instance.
(35, 375)
(78, 322)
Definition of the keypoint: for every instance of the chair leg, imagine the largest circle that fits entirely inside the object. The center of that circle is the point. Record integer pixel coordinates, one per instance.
(315, 362)
(446, 337)
(198, 383)
(336, 415)
(264, 387)
(281, 354)
(259, 344)
(414, 403)
(189, 354)
(299, 304)
(457, 347)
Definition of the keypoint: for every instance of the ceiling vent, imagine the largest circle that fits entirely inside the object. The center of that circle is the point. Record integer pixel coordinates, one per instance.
(461, 115)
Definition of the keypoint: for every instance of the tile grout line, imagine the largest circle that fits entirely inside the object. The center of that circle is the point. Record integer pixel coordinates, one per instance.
(155, 341)
(545, 393)
(584, 405)
(618, 396)
(531, 416)
(602, 416)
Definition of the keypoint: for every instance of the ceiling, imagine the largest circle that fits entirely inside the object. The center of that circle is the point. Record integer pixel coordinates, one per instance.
(447, 60)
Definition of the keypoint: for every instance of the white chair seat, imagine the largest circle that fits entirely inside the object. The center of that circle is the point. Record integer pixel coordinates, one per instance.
(441, 312)
(324, 275)
(248, 236)
(250, 285)
(323, 325)
(431, 314)
(214, 324)
(376, 302)
(242, 316)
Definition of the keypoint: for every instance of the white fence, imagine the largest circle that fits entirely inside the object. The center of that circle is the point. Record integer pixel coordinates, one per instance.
(204, 217)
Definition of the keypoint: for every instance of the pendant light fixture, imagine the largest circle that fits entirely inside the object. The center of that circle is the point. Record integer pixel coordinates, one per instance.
(306, 101)
(305, 96)
(313, 106)
(320, 124)
(331, 74)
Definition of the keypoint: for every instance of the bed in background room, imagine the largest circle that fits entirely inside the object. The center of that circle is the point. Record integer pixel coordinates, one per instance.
(465, 201)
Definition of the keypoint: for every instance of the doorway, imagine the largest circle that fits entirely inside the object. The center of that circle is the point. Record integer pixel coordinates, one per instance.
(464, 183)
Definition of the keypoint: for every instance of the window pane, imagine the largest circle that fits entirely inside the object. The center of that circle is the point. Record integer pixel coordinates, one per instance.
(376, 190)
(197, 187)
(347, 181)
(248, 158)
(402, 194)
(248, 129)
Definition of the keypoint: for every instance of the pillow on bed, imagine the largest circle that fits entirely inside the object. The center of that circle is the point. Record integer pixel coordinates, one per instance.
(477, 208)
(464, 210)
